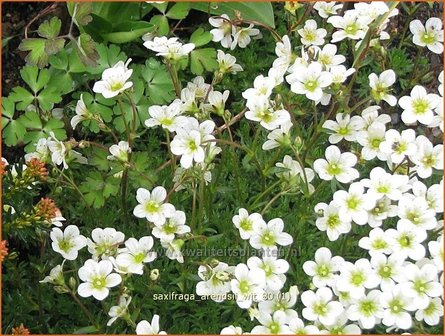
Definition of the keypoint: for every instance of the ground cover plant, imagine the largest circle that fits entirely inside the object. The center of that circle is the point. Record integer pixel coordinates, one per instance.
(222, 168)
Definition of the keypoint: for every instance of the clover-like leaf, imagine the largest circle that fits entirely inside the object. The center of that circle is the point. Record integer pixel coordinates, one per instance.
(178, 11)
(203, 59)
(97, 188)
(13, 130)
(200, 37)
(36, 47)
(160, 89)
(50, 29)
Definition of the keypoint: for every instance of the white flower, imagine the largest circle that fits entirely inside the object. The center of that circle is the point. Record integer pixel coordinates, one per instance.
(135, 254)
(427, 157)
(371, 116)
(169, 117)
(147, 328)
(388, 270)
(329, 220)
(397, 307)
(242, 36)
(223, 31)
(294, 173)
(217, 101)
(152, 206)
(337, 165)
(245, 222)
(327, 56)
(354, 278)
(114, 80)
(82, 113)
(370, 139)
(227, 63)
(350, 26)
(42, 151)
(231, 330)
(247, 285)
(309, 81)
(97, 279)
(324, 268)
(436, 251)
(398, 145)
(432, 313)
(55, 276)
(297, 326)
(262, 88)
(319, 306)
(104, 242)
(169, 48)
(376, 242)
(340, 327)
(344, 127)
(310, 35)
(380, 86)
(173, 249)
(174, 224)
(419, 106)
(278, 137)
(382, 184)
(430, 35)
(67, 242)
(415, 210)
(421, 284)
(326, 9)
(267, 236)
(271, 324)
(281, 302)
(215, 281)
(120, 310)
(198, 86)
(438, 117)
(273, 268)
(266, 116)
(120, 151)
(407, 240)
(367, 310)
(340, 74)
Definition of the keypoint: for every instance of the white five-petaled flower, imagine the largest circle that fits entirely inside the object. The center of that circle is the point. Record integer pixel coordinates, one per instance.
(82, 113)
(396, 308)
(326, 9)
(223, 30)
(174, 224)
(320, 307)
(169, 117)
(269, 118)
(271, 324)
(146, 328)
(135, 254)
(311, 35)
(267, 236)
(329, 220)
(104, 242)
(310, 80)
(350, 26)
(273, 268)
(120, 310)
(67, 242)
(381, 183)
(169, 48)
(430, 35)
(278, 137)
(97, 278)
(427, 156)
(215, 281)
(398, 145)
(380, 86)
(227, 63)
(327, 56)
(324, 268)
(367, 310)
(354, 278)
(114, 80)
(242, 36)
(419, 106)
(245, 222)
(247, 285)
(152, 206)
(337, 165)
(344, 127)
(120, 151)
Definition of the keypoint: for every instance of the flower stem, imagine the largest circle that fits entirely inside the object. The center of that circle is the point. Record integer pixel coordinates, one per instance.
(84, 309)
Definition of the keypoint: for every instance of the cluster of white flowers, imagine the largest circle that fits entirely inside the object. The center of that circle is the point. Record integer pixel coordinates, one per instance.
(169, 48)
(231, 35)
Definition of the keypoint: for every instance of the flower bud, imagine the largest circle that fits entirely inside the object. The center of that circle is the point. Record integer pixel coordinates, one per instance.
(72, 283)
(154, 274)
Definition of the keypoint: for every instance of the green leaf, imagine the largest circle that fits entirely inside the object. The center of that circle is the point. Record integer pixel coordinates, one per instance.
(86, 48)
(128, 31)
(21, 96)
(203, 59)
(80, 13)
(36, 80)
(178, 11)
(257, 11)
(50, 29)
(97, 188)
(31, 120)
(200, 37)
(159, 86)
(36, 47)
(53, 46)
(162, 7)
(160, 25)
(13, 131)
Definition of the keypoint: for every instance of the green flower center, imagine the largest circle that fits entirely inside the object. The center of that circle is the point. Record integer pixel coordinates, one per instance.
(274, 328)
(167, 121)
(246, 224)
(268, 239)
(379, 92)
(353, 202)
(367, 307)
(420, 106)
(383, 189)
(375, 143)
(99, 282)
(385, 271)
(405, 240)
(244, 287)
(352, 28)
(379, 244)
(268, 270)
(65, 245)
(333, 169)
(343, 131)
(399, 147)
(431, 309)
(192, 145)
(116, 86)
(429, 160)
(169, 228)
(152, 207)
(139, 258)
(325, 59)
(309, 35)
(420, 286)
(357, 278)
(323, 271)
(413, 217)
(333, 221)
(428, 38)
(396, 306)
(320, 309)
(311, 85)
